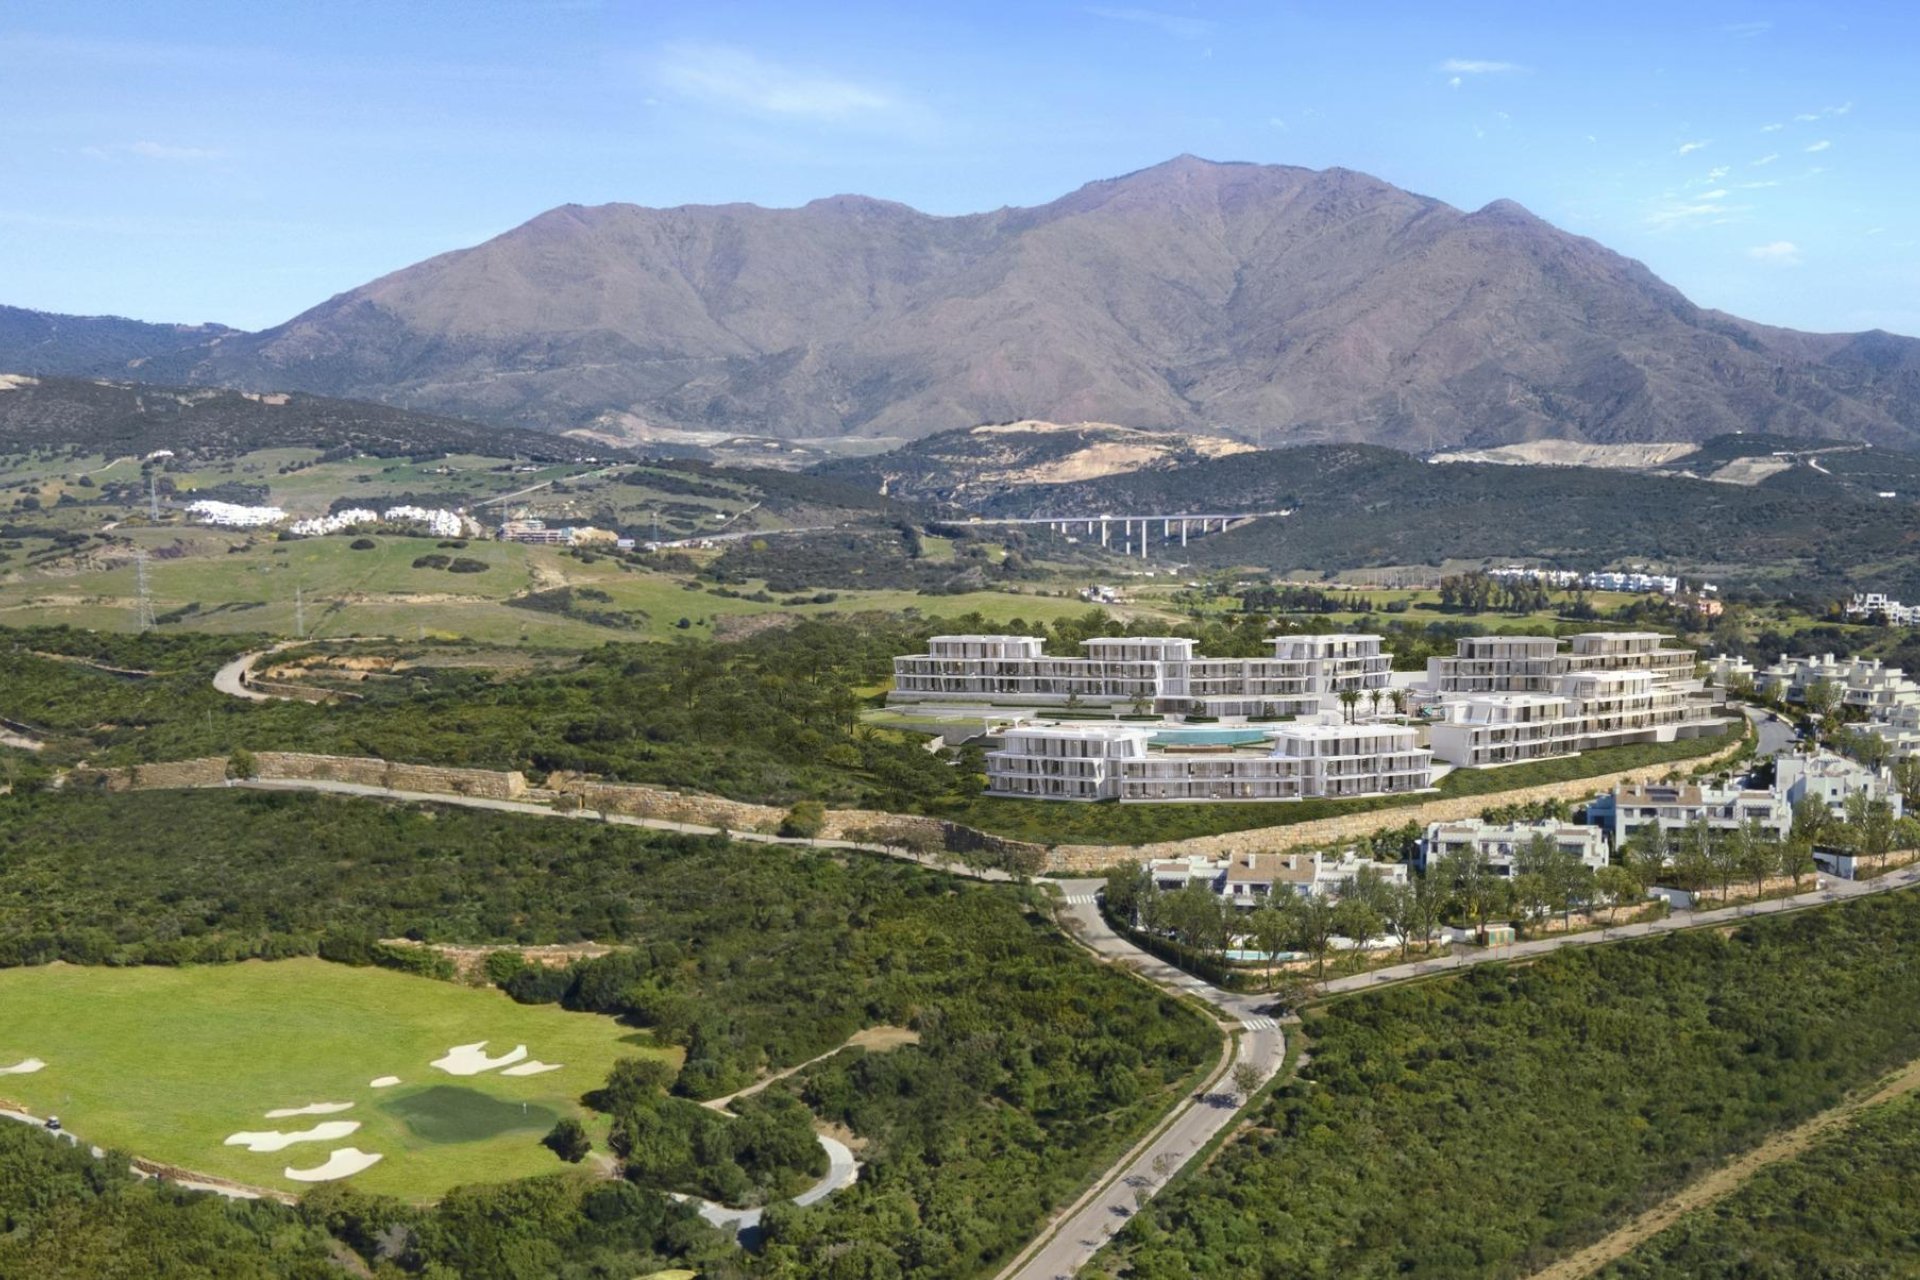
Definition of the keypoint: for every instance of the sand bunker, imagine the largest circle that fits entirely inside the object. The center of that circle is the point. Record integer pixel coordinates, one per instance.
(533, 1067)
(346, 1160)
(471, 1059)
(24, 1067)
(311, 1109)
(383, 1082)
(272, 1140)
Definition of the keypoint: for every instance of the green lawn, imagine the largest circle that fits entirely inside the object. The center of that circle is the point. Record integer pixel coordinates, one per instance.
(165, 1063)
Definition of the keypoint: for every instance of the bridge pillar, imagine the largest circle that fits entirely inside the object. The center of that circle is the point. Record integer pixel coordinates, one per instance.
(1103, 533)
(1183, 533)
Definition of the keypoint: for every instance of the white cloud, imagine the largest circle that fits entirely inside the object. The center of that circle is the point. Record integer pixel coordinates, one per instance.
(1747, 30)
(1275, 122)
(1477, 67)
(1766, 159)
(1821, 145)
(1757, 186)
(1176, 25)
(1693, 211)
(1824, 113)
(1688, 148)
(744, 81)
(144, 150)
(1771, 128)
(1455, 82)
(1711, 195)
(1784, 253)
(1718, 172)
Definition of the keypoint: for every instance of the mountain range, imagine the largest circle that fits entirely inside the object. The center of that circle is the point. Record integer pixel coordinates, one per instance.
(1282, 304)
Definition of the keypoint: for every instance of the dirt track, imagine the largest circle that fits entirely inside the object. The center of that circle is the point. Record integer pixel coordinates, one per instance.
(1727, 1179)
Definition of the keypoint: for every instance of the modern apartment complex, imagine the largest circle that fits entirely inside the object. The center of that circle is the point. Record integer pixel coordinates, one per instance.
(1504, 843)
(1831, 780)
(1899, 726)
(1505, 699)
(1866, 683)
(1123, 762)
(1248, 879)
(1159, 674)
(1677, 806)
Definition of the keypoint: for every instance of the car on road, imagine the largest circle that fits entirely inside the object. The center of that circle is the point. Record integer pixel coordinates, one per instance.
(53, 1124)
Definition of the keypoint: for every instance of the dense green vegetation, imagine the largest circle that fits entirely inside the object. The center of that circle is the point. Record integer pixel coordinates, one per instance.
(1479, 1125)
(1034, 1066)
(65, 1215)
(1847, 1208)
(82, 416)
(1357, 505)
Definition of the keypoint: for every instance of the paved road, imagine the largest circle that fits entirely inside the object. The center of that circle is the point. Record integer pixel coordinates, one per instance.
(232, 678)
(1775, 736)
(842, 1171)
(1103, 1210)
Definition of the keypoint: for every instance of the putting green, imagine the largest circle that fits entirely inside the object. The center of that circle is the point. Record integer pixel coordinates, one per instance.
(165, 1063)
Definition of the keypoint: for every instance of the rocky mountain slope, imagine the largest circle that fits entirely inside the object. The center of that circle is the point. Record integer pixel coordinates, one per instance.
(1286, 304)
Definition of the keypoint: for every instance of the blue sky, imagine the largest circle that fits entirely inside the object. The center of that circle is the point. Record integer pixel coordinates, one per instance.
(240, 162)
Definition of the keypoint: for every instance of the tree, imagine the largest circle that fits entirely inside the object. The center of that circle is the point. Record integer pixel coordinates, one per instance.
(241, 764)
(1126, 883)
(1647, 850)
(568, 1140)
(1758, 855)
(1618, 883)
(1349, 699)
(1316, 922)
(1821, 698)
(1476, 887)
(1871, 824)
(805, 820)
(1796, 855)
(1270, 930)
(1398, 696)
(1427, 896)
(1375, 697)
(1246, 1079)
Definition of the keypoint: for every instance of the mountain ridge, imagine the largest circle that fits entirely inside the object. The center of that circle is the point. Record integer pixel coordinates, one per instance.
(1283, 303)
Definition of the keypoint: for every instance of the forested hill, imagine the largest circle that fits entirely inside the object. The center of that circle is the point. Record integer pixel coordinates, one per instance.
(129, 417)
(1356, 505)
(43, 342)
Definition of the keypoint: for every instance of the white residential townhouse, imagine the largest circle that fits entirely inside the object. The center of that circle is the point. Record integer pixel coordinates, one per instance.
(1507, 699)
(1899, 726)
(1503, 843)
(1126, 763)
(1726, 669)
(1249, 879)
(1832, 779)
(1866, 683)
(1677, 806)
(1159, 674)
(1867, 604)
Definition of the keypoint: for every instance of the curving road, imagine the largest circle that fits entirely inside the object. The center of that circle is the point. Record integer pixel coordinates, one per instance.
(842, 1171)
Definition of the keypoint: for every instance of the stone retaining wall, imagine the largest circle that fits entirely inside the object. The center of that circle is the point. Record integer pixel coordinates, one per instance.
(368, 771)
(1352, 826)
(206, 771)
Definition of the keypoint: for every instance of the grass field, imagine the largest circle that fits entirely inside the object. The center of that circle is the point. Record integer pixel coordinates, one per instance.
(242, 584)
(166, 1063)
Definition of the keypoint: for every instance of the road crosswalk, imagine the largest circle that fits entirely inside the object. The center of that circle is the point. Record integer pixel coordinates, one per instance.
(1082, 899)
(1258, 1023)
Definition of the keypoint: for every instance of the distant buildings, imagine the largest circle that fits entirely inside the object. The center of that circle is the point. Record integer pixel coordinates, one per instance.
(436, 522)
(536, 533)
(1503, 844)
(1125, 763)
(1867, 604)
(230, 515)
(1159, 674)
(1604, 580)
(1507, 699)
(1899, 727)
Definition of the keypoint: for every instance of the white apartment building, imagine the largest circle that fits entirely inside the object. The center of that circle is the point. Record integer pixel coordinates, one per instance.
(1831, 779)
(1502, 843)
(1725, 669)
(1867, 603)
(1161, 674)
(1249, 879)
(1120, 762)
(1866, 683)
(1677, 806)
(1900, 727)
(1507, 699)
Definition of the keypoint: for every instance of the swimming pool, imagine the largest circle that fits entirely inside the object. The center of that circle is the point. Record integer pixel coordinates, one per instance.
(1180, 736)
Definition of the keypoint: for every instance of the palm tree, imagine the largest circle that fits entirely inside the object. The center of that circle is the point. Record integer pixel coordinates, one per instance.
(1398, 697)
(1376, 697)
(1349, 699)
